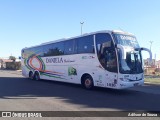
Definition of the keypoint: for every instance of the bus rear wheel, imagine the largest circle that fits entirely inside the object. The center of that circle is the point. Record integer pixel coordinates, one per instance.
(31, 75)
(88, 82)
(36, 76)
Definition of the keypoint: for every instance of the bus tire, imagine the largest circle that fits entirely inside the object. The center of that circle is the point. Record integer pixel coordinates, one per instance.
(36, 76)
(88, 82)
(31, 75)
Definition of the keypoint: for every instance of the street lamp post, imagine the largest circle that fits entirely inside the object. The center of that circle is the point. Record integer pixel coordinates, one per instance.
(150, 44)
(81, 26)
(151, 48)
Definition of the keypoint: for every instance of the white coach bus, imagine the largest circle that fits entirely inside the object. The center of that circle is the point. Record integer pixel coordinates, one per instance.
(110, 59)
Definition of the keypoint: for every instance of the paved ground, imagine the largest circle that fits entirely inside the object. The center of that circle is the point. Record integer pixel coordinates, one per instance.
(21, 94)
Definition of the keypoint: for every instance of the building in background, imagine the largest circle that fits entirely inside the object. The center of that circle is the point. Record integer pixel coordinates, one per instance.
(151, 68)
(10, 64)
(3, 63)
(158, 66)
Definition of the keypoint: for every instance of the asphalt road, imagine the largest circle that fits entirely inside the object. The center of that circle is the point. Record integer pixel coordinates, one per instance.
(22, 94)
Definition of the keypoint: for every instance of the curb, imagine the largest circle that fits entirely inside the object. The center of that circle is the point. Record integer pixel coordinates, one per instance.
(149, 83)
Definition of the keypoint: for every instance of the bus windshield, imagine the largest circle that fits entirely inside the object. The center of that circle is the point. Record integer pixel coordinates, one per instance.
(132, 64)
(126, 40)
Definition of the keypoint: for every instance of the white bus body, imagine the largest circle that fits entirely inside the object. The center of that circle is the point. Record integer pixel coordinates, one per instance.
(110, 59)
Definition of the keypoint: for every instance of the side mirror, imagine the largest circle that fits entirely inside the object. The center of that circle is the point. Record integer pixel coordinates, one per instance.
(150, 53)
(19, 58)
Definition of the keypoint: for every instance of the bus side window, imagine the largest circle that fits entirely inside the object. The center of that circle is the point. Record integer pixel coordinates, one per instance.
(54, 49)
(103, 40)
(85, 44)
(68, 47)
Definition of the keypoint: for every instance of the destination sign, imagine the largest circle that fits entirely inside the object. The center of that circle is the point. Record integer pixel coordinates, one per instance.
(126, 37)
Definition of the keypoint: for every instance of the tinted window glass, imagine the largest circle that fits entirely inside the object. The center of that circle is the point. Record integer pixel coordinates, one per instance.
(59, 47)
(69, 47)
(108, 60)
(29, 52)
(47, 50)
(54, 49)
(38, 51)
(103, 39)
(111, 61)
(126, 40)
(24, 54)
(106, 52)
(85, 44)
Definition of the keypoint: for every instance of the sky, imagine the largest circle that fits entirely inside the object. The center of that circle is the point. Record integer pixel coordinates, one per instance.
(25, 23)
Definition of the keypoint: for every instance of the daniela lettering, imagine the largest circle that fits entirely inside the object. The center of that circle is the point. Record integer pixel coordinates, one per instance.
(54, 60)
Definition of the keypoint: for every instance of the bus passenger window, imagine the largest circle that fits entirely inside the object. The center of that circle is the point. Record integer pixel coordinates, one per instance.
(85, 44)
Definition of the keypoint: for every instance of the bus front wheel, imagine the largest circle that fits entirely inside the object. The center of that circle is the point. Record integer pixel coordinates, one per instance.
(88, 82)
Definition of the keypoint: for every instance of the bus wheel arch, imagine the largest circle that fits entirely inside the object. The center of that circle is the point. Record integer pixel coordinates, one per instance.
(87, 81)
(36, 75)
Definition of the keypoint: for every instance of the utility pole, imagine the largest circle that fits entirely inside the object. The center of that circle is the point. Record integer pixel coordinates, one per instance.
(151, 49)
(81, 26)
(150, 44)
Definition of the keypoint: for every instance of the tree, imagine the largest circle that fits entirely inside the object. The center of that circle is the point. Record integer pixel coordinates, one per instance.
(12, 58)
